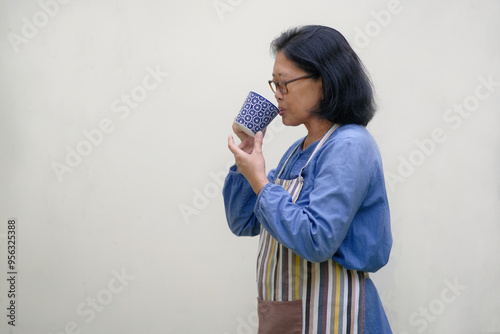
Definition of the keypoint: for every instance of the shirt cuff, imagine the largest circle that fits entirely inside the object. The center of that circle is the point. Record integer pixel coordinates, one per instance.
(234, 170)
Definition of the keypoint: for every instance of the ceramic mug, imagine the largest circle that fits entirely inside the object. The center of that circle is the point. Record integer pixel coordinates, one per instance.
(256, 114)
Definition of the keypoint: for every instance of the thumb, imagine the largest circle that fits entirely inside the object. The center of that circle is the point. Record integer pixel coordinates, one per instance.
(258, 141)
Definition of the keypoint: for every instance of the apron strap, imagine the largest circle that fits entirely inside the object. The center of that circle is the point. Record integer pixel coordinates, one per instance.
(321, 142)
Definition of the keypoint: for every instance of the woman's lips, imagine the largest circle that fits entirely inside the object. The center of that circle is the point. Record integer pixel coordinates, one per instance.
(282, 111)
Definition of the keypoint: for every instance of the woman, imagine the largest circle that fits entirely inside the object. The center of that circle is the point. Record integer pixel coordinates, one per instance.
(322, 214)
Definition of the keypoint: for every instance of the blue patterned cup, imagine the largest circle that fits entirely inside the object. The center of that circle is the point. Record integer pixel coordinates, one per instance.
(256, 114)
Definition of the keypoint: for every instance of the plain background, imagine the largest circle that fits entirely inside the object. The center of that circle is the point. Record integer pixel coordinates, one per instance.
(143, 200)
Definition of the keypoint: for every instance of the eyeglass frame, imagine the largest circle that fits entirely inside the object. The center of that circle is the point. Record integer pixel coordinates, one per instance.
(281, 85)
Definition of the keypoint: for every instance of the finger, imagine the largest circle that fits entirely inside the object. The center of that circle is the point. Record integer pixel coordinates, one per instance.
(244, 144)
(257, 144)
(234, 126)
(232, 146)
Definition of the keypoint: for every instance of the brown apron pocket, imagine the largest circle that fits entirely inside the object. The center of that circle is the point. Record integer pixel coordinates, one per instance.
(280, 317)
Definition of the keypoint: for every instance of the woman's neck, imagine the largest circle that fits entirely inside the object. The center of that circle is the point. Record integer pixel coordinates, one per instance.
(315, 131)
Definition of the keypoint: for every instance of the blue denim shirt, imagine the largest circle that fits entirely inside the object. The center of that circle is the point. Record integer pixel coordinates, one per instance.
(342, 212)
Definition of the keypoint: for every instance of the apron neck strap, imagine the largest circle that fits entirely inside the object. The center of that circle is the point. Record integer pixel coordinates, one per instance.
(321, 142)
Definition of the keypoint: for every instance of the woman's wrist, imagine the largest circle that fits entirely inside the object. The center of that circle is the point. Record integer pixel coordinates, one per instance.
(259, 188)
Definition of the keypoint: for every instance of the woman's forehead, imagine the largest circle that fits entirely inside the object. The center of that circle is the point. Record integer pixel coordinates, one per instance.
(284, 67)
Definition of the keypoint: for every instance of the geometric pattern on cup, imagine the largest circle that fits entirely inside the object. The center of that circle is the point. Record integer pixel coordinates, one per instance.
(256, 113)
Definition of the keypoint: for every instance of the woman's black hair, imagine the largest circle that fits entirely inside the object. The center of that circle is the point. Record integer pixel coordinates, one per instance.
(326, 54)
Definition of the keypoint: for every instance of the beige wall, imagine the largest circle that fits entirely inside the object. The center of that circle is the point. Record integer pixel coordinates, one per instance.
(114, 118)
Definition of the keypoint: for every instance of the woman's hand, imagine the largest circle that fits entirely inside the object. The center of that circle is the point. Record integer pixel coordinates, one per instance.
(250, 161)
(245, 137)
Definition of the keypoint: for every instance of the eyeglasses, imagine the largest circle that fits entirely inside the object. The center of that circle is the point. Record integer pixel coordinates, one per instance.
(281, 85)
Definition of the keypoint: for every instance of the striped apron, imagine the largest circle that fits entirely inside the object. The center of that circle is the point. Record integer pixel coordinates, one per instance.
(301, 297)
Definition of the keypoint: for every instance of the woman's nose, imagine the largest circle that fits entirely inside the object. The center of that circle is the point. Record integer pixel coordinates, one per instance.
(278, 94)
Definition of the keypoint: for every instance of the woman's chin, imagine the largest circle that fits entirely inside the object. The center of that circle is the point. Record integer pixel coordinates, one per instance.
(288, 122)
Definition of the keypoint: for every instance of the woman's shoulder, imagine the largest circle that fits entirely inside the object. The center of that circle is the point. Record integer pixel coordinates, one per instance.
(354, 133)
(352, 136)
